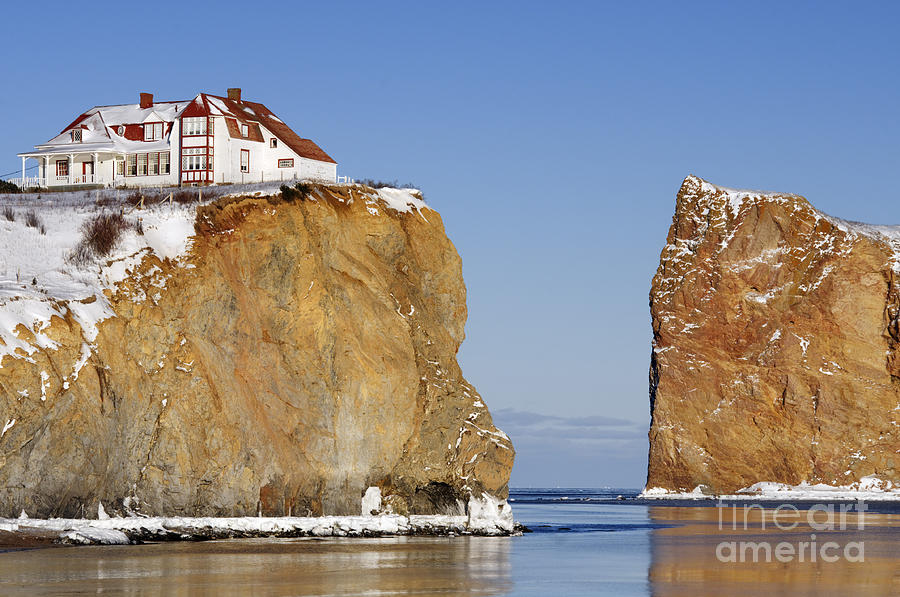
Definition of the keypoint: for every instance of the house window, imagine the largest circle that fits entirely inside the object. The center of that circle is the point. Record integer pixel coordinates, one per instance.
(245, 130)
(154, 164)
(193, 162)
(120, 167)
(164, 162)
(131, 165)
(194, 126)
(273, 142)
(62, 168)
(286, 163)
(142, 164)
(153, 131)
(76, 136)
(245, 160)
(121, 130)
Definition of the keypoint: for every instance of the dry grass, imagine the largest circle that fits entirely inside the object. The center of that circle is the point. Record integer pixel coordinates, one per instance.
(31, 219)
(9, 213)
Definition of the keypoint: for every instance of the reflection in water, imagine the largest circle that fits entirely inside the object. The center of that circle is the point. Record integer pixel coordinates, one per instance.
(588, 548)
(684, 560)
(394, 566)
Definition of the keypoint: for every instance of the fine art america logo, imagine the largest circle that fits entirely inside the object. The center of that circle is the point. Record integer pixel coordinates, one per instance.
(801, 543)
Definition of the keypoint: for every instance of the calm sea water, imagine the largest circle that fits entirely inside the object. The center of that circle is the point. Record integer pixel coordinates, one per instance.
(585, 542)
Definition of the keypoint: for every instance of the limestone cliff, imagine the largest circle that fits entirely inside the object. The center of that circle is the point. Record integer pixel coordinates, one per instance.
(295, 355)
(776, 345)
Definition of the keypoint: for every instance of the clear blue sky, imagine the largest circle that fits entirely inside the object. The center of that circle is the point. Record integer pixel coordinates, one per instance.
(551, 136)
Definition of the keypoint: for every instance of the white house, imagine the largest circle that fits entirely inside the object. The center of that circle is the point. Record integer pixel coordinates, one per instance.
(206, 140)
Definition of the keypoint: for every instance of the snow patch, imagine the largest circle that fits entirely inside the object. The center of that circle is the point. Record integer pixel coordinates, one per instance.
(490, 515)
(869, 488)
(371, 501)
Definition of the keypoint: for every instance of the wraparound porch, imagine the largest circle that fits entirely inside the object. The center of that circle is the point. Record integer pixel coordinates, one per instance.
(96, 168)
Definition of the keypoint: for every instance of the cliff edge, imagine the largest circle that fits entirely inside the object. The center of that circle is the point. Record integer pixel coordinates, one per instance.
(776, 346)
(277, 358)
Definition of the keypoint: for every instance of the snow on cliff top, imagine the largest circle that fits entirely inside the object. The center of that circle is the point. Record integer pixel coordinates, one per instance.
(38, 282)
(737, 197)
(36, 275)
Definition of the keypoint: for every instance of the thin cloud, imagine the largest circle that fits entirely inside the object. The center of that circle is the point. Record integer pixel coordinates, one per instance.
(524, 424)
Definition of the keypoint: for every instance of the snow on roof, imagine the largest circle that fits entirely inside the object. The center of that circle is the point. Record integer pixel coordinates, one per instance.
(255, 112)
(99, 126)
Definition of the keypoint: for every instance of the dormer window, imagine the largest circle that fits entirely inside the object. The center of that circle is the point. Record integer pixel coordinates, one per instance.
(76, 136)
(121, 130)
(153, 131)
(273, 142)
(245, 130)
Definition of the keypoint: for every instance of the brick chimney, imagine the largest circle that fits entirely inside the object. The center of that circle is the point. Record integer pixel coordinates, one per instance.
(146, 100)
(234, 93)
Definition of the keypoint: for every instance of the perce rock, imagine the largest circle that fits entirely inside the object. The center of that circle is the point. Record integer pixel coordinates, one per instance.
(776, 346)
(291, 357)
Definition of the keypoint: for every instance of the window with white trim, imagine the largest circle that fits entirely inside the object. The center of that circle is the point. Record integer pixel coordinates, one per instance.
(286, 163)
(76, 136)
(194, 158)
(131, 165)
(142, 164)
(62, 168)
(121, 130)
(193, 126)
(120, 167)
(164, 162)
(153, 131)
(245, 160)
(245, 130)
(273, 142)
(154, 164)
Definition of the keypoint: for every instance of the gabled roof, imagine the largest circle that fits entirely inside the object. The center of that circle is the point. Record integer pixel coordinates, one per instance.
(249, 112)
(100, 125)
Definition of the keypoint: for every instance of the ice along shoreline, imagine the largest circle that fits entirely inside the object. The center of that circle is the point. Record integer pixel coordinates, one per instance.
(124, 531)
(870, 489)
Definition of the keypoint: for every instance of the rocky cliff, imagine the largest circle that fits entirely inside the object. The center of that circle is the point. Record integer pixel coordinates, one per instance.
(776, 345)
(294, 355)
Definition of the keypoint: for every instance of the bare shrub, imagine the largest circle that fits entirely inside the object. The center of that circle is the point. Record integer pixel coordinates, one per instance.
(299, 191)
(102, 232)
(382, 184)
(9, 213)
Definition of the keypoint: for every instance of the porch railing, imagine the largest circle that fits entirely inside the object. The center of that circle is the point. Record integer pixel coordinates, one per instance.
(85, 179)
(28, 182)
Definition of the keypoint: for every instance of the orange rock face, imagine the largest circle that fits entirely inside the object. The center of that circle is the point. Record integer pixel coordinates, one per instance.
(776, 345)
(298, 354)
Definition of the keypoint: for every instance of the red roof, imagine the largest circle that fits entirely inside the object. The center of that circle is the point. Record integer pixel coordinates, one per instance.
(305, 148)
(251, 113)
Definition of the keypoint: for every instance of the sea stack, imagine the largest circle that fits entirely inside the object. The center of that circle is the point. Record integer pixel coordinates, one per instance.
(776, 346)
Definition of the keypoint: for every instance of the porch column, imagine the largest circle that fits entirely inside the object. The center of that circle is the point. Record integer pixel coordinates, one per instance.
(95, 168)
(46, 183)
(23, 171)
(71, 162)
